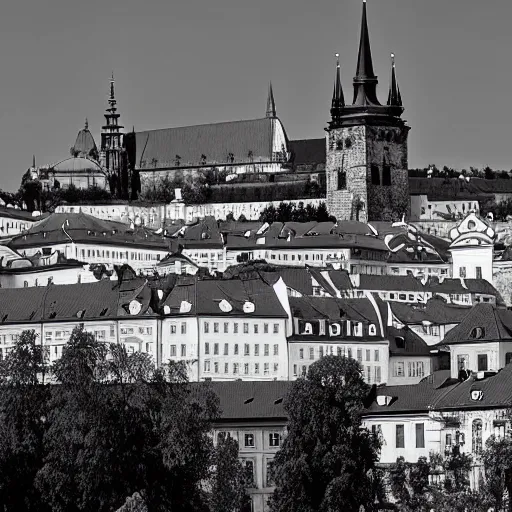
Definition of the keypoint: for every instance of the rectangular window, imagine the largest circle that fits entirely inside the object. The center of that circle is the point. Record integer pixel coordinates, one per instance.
(479, 272)
(226, 327)
(342, 180)
(349, 353)
(420, 435)
(249, 440)
(183, 350)
(376, 355)
(276, 328)
(255, 328)
(236, 349)
(266, 349)
(112, 331)
(215, 349)
(246, 349)
(295, 370)
(276, 367)
(235, 327)
(216, 367)
(398, 369)
(320, 351)
(265, 328)
(246, 368)
(276, 350)
(235, 368)
(215, 326)
(206, 327)
(266, 368)
(311, 353)
(482, 362)
(256, 368)
(462, 272)
(301, 353)
(274, 439)
(359, 355)
(207, 348)
(173, 350)
(368, 355)
(226, 367)
(246, 328)
(377, 375)
(256, 350)
(173, 328)
(226, 349)
(400, 440)
(207, 366)
(448, 440)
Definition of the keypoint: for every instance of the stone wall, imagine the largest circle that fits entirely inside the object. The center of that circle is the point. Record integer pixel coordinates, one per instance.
(346, 152)
(155, 216)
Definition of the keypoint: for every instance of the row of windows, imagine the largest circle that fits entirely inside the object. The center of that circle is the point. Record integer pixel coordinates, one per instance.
(314, 256)
(341, 351)
(400, 435)
(256, 328)
(247, 349)
(414, 369)
(241, 368)
(119, 255)
(421, 270)
(274, 439)
(374, 377)
(183, 350)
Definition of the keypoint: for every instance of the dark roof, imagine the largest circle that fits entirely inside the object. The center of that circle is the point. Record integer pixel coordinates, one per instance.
(14, 213)
(215, 141)
(267, 399)
(413, 398)
(316, 274)
(496, 324)
(436, 311)
(63, 302)
(390, 283)
(84, 143)
(340, 279)
(458, 285)
(205, 296)
(442, 189)
(413, 346)
(59, 227)
(308, 151)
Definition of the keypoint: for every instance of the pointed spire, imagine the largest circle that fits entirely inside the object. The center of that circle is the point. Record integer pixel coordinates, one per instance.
(338, 100)
(394, 97)
(33, 161)
(365, 81)
(271, 104)
(112, 82)
(86, 124)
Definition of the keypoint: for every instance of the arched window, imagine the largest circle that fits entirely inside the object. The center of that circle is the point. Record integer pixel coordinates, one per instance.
(477, 333)
(477, 437)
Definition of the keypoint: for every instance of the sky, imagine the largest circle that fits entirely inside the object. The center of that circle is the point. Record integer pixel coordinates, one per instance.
(186, 62)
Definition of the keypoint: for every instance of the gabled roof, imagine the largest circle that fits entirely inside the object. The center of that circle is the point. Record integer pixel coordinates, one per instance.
(206, 295)
(459, 285)
(80, 227)
(436, 311)
(248, 141)
(63, 302)
(251, 400)
(496, 325)
(413, 344)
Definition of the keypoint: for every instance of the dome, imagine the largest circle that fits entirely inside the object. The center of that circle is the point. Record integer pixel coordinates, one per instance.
(77, 164)
(84, 144)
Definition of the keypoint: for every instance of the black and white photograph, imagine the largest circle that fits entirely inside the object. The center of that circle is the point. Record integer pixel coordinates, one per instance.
(255, 256)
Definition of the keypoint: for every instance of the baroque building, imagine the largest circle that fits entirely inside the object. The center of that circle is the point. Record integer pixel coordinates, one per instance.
(367, 146)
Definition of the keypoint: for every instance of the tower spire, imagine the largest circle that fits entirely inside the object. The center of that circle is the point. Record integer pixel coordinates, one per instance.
(33, 161)
(338, 100)
(86, 124)
(394, 96)
(365, 81)
(271, 104)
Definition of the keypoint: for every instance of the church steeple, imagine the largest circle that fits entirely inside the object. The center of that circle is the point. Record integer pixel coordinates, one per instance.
(338, 100)
(365, 81)
(271, 104)
(394, 96)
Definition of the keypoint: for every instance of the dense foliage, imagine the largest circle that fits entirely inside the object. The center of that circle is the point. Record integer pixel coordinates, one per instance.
(327, 459)
(111, 432)
(289, 212)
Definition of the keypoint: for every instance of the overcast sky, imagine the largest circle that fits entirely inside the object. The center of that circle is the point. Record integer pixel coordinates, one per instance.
(185, 62)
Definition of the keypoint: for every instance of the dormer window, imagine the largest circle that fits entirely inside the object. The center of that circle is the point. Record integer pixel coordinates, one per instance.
(400, 342)
(477, 333)
(372, 330)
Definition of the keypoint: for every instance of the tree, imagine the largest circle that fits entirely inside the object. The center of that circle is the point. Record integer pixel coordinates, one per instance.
(326, 459)
(228, 482)
(23, 410)
(497, 459)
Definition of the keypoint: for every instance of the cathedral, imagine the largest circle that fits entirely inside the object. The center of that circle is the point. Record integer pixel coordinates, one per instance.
(362, 161)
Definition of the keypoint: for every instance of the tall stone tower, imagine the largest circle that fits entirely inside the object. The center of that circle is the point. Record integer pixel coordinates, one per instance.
(367, 146)
(111, 137)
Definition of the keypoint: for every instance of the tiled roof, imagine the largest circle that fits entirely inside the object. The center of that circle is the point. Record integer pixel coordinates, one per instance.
(316, 274)
(436, 311)
(413, 346)
(390, 283)
(496, 392)
(419, 397)
(340, 279)
(63, 302)
(434, 187)
(205, 296)
(205, 233)
(496, 325)
(308, 151)
(80, 227)
(457, 285)
(14, 213)
(251, 400)
(215, 141)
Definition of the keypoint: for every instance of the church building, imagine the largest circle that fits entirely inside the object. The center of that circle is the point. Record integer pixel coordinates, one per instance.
(367, 146)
